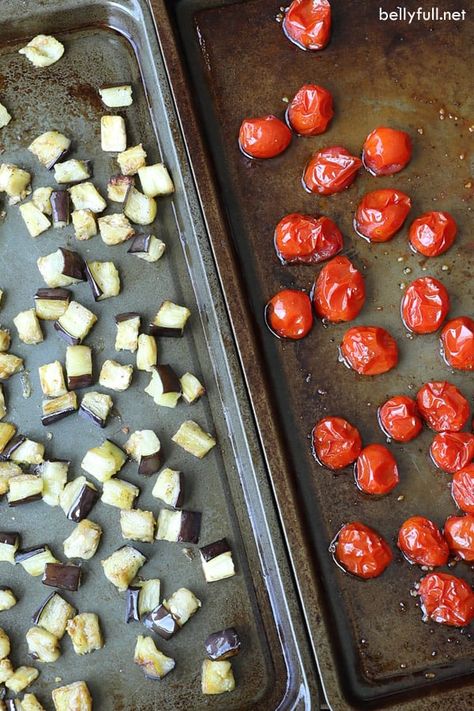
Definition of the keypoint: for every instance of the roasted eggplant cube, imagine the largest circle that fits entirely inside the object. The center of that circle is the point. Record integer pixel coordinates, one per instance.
(85, 225)
(28, 327)
(145, 448)
(36, 223)
(182, 604)
(78, 498)
(115, 376)
(43, 50)
(54, 614)
(6, 670)
(104, 279)
(169, 487)
(54, 476)
(137, 525)
(122, 566)
(25, 489)
(155, 180)
(119, 493)
(179, 526)
(9, 544)
(42, 645)
(73, 697)
(85, 196)
(30, 703)
(15, 182)
(9, 365)
(41, 197)
(50, 304)
(5, 340)
(192, 388)
(21, 679)
(147, 353)
(217, 677)
(4, 644)
(72, 171)
(3, 404)
(105, 461)
(5, 117)
(118, 187)
(164, 386)
(149, 597)
(216, 559)
(83, 541)
(28, 452)
(113, 135)
(115, 229)
(131, 160)
(96, 407)
(57, 409)
(79, 367)
(116, 96)
(193, 439)
(7, 432)
(223, 644)
(139, 208)
(49, 148)
(85, 633)
(34, 560)
(128, 326)
(8, 470)
(75, 323)
(7, 599)
(162, 622)
(61, 208)
(64, 576)
(154, 664)
(170, 320)
(52, 379)
(147, 247)
(131, 602)
(61, 268)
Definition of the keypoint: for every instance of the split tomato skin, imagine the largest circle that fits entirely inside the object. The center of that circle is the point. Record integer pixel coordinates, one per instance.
(399, 418)
(331, 170)
(422, 543)
(425, 305)
(381, 214)
(303, 239)
(369, 350)
(307, 23)
(386, 151)
(376, 471)
(451, 451)
(339, 291)
(442, 406)
(263, 137)
(462, 488)
(457, 341)
(336, 443)
(288, 314)
(361, 551)
(433, 233)
(459, 533)
(447, 599)
(311, 110)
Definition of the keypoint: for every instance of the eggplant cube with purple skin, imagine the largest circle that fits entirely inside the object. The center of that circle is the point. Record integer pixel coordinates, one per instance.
(84, 224)
(178, 526)
(85, 633)
(119, 493)
(9, 544)
(28, 452)
(115, 229)
(3, 404)
(85, 196)
(64, 576)
(192, 388)
(217, 562)
(128, 327)
(121, 567)
(49, 147)
(145, 448)
(96, 407)
(54, 614)
(169, 487)
(79, 367)
(57, 409)
(137, 525)
(61, 268)
(164, 386)
(75, 323)
(42, 645)
(170, 320)
(154, 664)
(28, 327)
(34, 560)
(223, 644)
(25, 489)
(52, 379)
(36, 223)
(217, 677)
(147, 247)
(61, 208)
(104, 279)
(83, 541)
(51, 303)
(73, 697)
(182, 604)
(78, 498)
(105, 461)
(131, 159)
(161, 621)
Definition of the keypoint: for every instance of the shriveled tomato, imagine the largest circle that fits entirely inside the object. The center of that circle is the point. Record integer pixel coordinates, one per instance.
(307, 23)
(386, 151)
(311, 110)
(305, 239)
(442, 406)
(399, 418)
(381, 213)
(362, 551)
(459, 532)
(447, 599)
(457, 340)
(451, 451)
(336, 443)
(433, 233)
(462, 488)
(425, 305)
(422, 542)
(339, 292)
(330, 171)
(376, 470)
(264, 137)
(369, 350)
(288, 314)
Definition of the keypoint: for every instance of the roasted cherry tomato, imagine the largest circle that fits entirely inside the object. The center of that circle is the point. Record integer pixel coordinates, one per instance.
(339, 292)
(369, 350)
(442, 406)
(386, 151)
(457, 339)
(362, 551)
(425, 305)
(399, 418)
(330, 171)
(459, 533)
(451, 451)
(336, 443)
(433, 233)
(307, 240)
(288, 314)
(381, 213)
(422, 542)
(307, 23)
(376, 470)
(311, 110)
(447, 599)
(264, 137)
(462, 488)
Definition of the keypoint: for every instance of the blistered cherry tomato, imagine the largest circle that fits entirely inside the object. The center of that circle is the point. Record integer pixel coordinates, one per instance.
(433, 233)
(447, 599)
(386, 151)
(442, 406)
(288, 314)
(264, 137)
(381, 213)
(376, 470)
(336, 443)
(369, 350)
(330, 171)
(399, 418)
(457, 339)
(307, 23)
(339, 292)
(425, 305)
(422, 542)
(451, 451)
(307, 240)
(311, 110)
(462, 488)
(362, 551)
(459, 533)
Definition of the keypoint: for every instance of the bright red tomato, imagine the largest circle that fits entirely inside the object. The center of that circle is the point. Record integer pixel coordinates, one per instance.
(330, 171)
(433, 233)
(459, 532)
(425, 305)
(307, 23)
(447, 599)
(381, 213)
(457, 339)
(386, 151)
(462, 488)
(451, 451)
(399, 418)
(264, 137)
(336, 443)
(422, 542)
(442, 406)
(288, 314)
(339, 292)
(369, 350)
(311, 110)
(302, 239)
(362, 551)
(376, 470)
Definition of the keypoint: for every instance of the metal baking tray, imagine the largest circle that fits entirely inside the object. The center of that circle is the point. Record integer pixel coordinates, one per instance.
(110, 42)
(370, 644)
